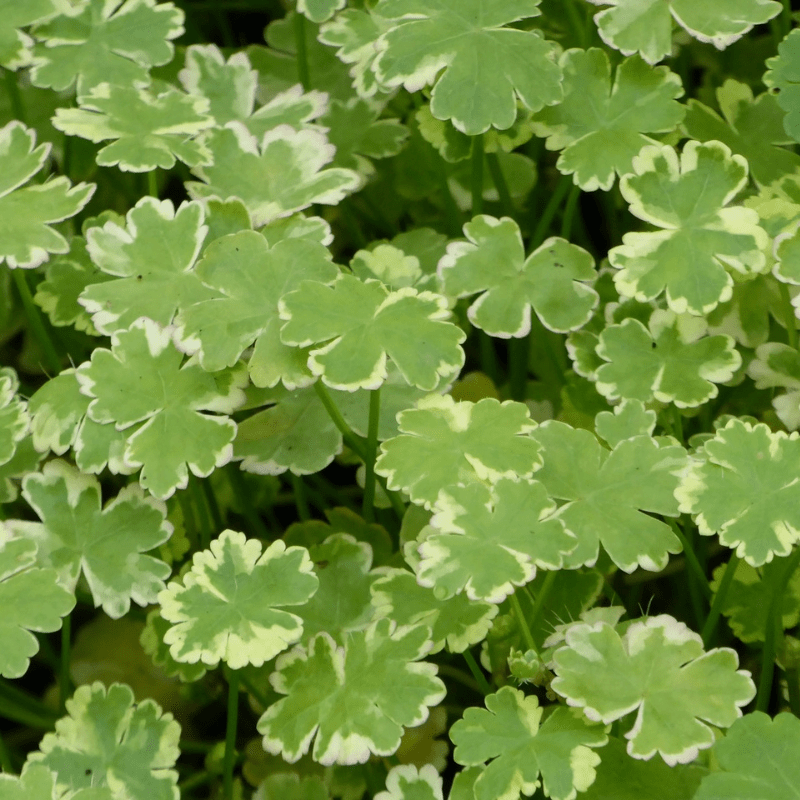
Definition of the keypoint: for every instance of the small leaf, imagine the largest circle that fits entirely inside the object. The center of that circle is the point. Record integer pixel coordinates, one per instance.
(406, 782)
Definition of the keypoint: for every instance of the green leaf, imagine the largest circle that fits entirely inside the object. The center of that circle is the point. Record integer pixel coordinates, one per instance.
(152, 642)
(782, 75)
(629, 419)
(32, 600)
(458, 442)
(600, 127)
(612, 495)
(646, 25)
(106, 546)
(756, 760)
(289, 786)
(673, 362)
(248, 278)
(37, 782)
(149, 130)
(775, 365)
(109, 740)
(15, 45)
(319, 10)
(487, 66)
(657, 668)
(553, 279)
(525, 752)
(275, 176)
(701, 239)
(140, 380)
(153, 257)
(456, 621)
(13, 415)
(751, 127)
(742, 488)
(352, 700)
(229, 605)
(363, 324)
(486, 542)
(105, 42)
(26, 212)
(406, 782)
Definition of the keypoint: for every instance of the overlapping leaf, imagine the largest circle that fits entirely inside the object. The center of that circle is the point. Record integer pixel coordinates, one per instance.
(554, 279)
(486, 66)
(611, 495)
(657, 668)
(744, 489)
(27, 212)
(13, 415)
(406, 782)
(778, 365)
(319, 10)
(782, 75)
(523, 752)
(107, 41)
(352, 700)
(458, 442)
(229, 606)
(141, 380)
(362, 324)
(149, 130)
(702, 237)
(108, 547)
(600, 127)
(15, 45)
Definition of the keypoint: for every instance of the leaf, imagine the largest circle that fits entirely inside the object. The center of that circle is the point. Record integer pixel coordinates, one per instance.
(352, 700)
(274, 177)
(107, 739)
(757, 760)
(406, 782)
(140, 380)
(363, 323)
(15, 45)
(749, 599)
(26, 212)
(152, 642)
(629, 419)
(114, 42)
(289, 786)
(37, 782)
(486, 542)
(319, 10)
(657, 668)
(149, 130)
(600, 127)
(777, 364)
(229, 606)
(525, 752)
(701, 239)
(106, 546)
(782, 75)
(673, 361)
(646, 25)
(612, 495)
(32, 601)
(248, 278)
(13, 415)
(742, 488)
(153, 257)
(458, 442)
(486, 67)
(751, 127)
(456, 621)
(553, 279)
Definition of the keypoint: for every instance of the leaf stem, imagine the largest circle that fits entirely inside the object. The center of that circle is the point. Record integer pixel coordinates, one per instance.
(719, 600)
(774, 630)
(14, 96)
(499, 180)
(476, 175)
(371, 450)
(300, 499)
(230, 732)
(691, 559)
(793, 685)
(523, 623)
(257, 693)
(541, 597)
(477, 673)
(549, 212)
(303, 71)
(518, 350)
(789, 317)
(6, 764)
(36, 322)
(199, 503)
(570, 207)
(243, 499)
(152, 183)
(64, 679)
(213, 505)
(20, 707)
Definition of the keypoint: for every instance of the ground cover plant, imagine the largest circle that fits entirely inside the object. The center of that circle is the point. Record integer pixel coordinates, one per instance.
(400, 399)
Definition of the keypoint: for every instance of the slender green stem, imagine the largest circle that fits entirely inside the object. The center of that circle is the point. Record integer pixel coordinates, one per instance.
(789, 318)
(189, 522)
(230, 733)
(477, 673)
(570, 207)
(371, 450)
(334, 494)
(793, 684)
(12, 88)
(6, 763)
(200, 504)
(300, 499)
(253, 690)
(36, 322)
(718, 602)
(774, 630)
(243, 499)
(549, 212)
(691, 559)
(64, 679)
(488, 357)
(541, 597)
(195, 782)
(213, 505)
(19, 707)
(576, 22)
(460, 676)
(518, 350)
(452, 213)
(523, 623)
(303, 71)
(476, 179)
(499, 180)
(152, 183)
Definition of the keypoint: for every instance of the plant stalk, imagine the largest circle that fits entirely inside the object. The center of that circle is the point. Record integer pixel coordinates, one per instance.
(719, 600)
(371, 450)
(230, 733)
(476, 178)
(36, 322)
(477, 673)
